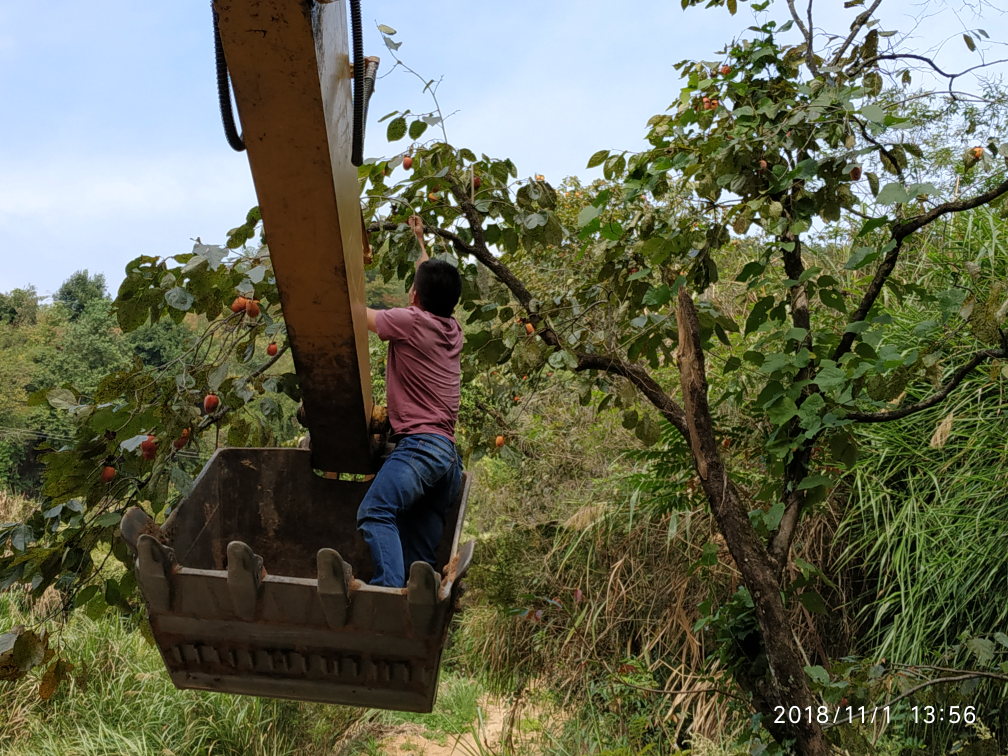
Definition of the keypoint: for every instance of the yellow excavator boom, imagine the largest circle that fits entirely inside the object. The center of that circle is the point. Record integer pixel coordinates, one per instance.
(253, 584)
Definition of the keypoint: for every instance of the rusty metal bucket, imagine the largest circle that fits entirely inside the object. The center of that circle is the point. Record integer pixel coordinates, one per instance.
(256, 584)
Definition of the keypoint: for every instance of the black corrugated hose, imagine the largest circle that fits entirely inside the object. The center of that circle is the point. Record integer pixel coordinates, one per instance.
(224, 91)
(359, 101)
(361, 89)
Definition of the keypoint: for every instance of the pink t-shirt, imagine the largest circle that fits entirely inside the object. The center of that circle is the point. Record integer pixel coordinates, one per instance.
(422, 373)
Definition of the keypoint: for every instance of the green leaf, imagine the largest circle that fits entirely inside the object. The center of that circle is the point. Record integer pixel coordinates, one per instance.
(386, 29)
(216, 378)
(871, 224)
(61, 398)
(893, 193)
(873, 112)
(657, 296)
(813, 481)
(982, 648)
(108, 520)
(587, 214)
(416, 129)
(181, 480)
(179, 298)
(817, 673)
(598, 158)
(873, 182)
(643, 272)
(758, 314)
(862, 256)
(751, 270)
(969, 42)
(396, 129)
(830, 377)
(832, 298)
(773, 516)
(815, 604)
(782, 411)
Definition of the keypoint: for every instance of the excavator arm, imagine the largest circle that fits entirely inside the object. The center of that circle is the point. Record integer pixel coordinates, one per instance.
(253, 584)
(291, 71)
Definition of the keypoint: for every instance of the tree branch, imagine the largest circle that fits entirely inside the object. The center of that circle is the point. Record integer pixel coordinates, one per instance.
(899, 233)
(807, 33)
(858, 24)
(918, 222)
(797, 469)
(870, 295)
(750, 556)
(910, 56)
(936, 398)
(928, 683)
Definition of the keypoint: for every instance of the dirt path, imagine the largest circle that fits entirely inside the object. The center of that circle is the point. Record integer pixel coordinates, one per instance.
(419, 741)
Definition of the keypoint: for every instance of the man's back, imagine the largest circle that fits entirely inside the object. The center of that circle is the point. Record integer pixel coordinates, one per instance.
(402, 515)
(422, 374)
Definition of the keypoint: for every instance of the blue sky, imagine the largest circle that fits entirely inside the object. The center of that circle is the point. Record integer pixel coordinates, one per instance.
(111, 144)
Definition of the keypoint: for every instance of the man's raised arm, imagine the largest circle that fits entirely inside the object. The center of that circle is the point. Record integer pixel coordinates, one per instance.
(416, 223)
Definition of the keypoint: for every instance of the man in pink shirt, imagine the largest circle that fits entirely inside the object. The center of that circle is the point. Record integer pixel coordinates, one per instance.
(403, 513)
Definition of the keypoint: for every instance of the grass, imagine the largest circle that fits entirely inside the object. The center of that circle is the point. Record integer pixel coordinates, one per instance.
(928, 527)
(121, 701)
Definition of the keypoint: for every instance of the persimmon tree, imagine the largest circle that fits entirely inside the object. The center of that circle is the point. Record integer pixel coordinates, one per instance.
(788, 134)
(142, 435)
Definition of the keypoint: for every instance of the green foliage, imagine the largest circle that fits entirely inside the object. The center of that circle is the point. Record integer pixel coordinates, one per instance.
(19, 306)
(118, 699)
(80, 290)
(102, 400)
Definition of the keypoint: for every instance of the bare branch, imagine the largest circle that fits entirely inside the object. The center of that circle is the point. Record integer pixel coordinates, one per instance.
(858, 24)
(929, 683)
(923, 59)
(916, 223)
(901, 232)
(936, 398)
(807, 33)
(870, 295)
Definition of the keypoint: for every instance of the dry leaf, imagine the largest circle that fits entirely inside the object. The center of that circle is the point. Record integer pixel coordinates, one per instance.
(585, 517)
(941, 433)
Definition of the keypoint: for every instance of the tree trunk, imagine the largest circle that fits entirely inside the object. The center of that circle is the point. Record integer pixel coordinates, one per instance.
(788, 686)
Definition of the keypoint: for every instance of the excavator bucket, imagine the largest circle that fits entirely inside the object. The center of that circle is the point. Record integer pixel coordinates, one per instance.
(257, 582)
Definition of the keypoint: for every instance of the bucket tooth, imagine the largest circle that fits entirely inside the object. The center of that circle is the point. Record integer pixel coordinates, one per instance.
(465, 557)
(334, 580)
(422, 596)
(155, 562)
(244, 578)
(457, 568)
(134, 524)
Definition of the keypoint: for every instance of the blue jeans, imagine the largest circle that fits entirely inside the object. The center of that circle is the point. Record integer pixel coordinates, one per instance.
(403, 513)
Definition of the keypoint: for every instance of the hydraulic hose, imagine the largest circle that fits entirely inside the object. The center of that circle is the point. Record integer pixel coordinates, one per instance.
(359, 101)
(224, 91)
(365, 71)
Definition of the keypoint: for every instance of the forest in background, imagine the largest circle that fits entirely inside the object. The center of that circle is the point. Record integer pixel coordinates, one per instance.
(605, 603)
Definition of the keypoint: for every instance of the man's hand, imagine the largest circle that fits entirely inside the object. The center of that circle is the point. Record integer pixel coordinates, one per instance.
(416, 223)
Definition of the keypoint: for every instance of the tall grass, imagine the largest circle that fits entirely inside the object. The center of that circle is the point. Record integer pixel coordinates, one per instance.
(121, 701)
(929, 527)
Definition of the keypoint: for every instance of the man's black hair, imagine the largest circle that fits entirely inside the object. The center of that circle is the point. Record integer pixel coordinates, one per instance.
(438, 287)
